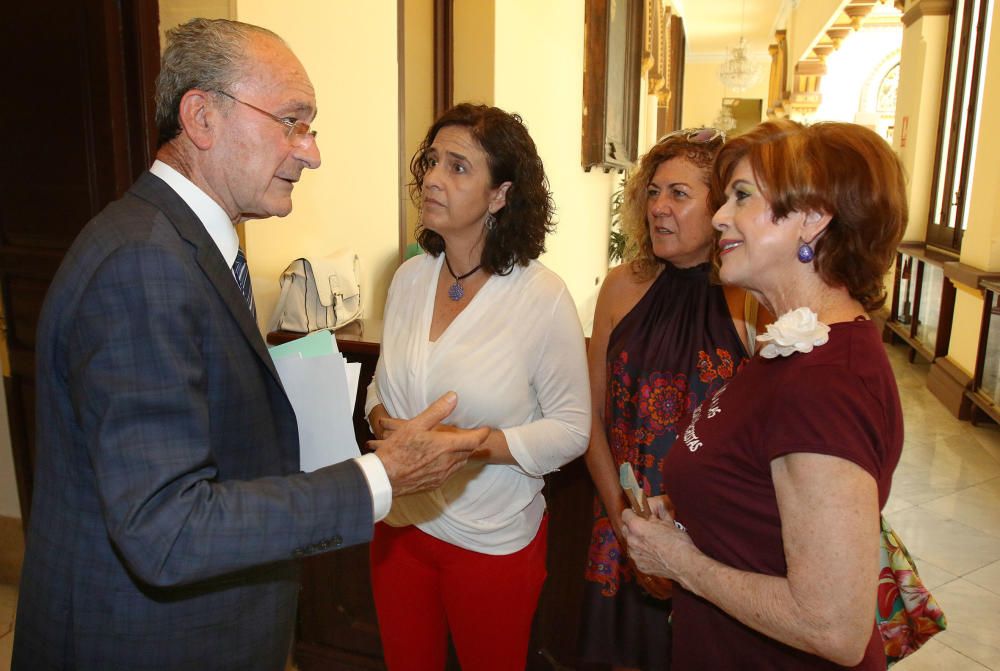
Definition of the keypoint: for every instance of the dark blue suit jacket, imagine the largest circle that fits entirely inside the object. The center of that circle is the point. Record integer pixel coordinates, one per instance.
(164, 532)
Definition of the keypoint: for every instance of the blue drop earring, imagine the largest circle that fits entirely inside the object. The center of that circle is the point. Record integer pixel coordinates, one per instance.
(806, 253)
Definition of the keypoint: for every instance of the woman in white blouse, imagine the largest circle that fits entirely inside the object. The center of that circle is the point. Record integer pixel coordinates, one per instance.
(477, 314)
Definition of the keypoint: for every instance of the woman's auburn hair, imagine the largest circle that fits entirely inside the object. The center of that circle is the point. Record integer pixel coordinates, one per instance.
(518, 236)
(841, 169)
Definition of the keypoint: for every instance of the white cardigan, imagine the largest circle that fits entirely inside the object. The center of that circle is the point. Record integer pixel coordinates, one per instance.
(515, 356)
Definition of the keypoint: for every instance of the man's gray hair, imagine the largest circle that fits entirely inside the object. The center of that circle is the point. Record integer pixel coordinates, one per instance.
(203, 54)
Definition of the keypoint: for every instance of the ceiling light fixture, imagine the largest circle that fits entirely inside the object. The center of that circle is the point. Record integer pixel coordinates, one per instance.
(738, 72)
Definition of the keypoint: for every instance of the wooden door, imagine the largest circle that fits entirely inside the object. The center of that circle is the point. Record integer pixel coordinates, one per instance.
(77, 119)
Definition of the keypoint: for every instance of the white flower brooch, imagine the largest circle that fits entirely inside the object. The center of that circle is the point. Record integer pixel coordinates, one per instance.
(795, 331)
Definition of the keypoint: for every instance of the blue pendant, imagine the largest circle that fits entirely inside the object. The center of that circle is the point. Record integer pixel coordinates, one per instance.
(456, 292)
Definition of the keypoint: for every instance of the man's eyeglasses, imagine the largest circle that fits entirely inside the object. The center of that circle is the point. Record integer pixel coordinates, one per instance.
(696, 135)
(297, 132)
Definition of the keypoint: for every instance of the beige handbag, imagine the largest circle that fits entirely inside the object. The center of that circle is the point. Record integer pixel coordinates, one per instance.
(319, 292)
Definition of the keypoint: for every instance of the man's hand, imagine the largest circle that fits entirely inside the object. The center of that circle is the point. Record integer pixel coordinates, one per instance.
(416, 457)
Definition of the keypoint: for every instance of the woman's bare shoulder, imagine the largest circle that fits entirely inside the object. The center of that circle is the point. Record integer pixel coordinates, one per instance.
(623, 280)
(621, 290)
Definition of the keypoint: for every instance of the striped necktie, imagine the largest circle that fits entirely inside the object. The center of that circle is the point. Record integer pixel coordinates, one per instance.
(242, 274)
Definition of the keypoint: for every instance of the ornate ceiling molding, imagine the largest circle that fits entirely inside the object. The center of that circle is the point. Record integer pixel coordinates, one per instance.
(802, 95)
(921, 8)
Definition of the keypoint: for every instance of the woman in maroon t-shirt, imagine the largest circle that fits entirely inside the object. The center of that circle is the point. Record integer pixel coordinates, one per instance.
(779, 478)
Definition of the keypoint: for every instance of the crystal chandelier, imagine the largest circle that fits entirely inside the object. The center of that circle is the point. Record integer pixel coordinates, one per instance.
(739, 72)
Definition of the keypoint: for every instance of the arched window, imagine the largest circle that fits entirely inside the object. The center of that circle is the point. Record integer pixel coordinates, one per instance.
(885, 103)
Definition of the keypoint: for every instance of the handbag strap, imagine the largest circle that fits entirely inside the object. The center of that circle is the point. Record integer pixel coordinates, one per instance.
(279, 307)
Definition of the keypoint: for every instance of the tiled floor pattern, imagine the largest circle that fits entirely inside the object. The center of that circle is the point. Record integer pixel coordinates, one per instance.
(945, 505)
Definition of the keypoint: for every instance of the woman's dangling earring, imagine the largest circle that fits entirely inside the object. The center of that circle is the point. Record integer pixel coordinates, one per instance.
(491, 221)
(806, 253)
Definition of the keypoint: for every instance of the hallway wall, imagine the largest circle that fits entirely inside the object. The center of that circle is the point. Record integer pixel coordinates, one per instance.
(537, 61)
(703, 90)
(538, 66)
(349, 51)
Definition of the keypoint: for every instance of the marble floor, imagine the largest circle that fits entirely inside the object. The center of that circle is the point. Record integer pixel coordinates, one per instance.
(945, 505)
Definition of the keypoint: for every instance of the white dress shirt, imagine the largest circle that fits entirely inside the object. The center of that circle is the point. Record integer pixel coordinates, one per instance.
(222, 231)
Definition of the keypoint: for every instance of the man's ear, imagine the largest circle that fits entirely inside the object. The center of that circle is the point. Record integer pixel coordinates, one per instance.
(196, 118)
(499, 199)
(814, 223)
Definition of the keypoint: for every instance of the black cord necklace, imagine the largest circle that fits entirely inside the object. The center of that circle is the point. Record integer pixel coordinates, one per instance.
(456, 291)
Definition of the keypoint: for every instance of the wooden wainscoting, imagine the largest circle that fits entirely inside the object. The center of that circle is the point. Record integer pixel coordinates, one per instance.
(949, 383)
(11, 550)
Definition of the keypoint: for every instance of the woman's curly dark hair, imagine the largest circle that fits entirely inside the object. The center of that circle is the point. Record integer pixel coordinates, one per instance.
(841, 169)
(521, 225)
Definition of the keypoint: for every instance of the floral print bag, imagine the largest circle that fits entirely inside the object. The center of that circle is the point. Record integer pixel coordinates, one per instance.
(907, 613)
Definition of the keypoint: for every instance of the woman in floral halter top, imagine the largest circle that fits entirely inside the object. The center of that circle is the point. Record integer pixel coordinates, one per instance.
(665, 337)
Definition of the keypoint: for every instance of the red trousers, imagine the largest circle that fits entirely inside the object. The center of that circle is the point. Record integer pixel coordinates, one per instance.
(425, 588)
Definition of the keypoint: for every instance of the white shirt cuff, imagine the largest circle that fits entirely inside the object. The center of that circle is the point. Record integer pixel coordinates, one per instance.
(378, 483)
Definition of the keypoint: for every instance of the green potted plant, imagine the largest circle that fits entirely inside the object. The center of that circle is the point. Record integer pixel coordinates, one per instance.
(617, 239)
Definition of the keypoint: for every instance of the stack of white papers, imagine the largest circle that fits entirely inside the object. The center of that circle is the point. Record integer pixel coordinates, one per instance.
(322, 387)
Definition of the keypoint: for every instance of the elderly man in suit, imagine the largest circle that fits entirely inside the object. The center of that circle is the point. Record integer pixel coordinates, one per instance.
(168, 511)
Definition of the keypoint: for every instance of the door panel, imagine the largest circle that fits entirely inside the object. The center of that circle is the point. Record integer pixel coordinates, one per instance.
(78, 131)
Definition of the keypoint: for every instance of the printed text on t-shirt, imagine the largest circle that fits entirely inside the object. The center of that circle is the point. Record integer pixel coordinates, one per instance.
(690, 436)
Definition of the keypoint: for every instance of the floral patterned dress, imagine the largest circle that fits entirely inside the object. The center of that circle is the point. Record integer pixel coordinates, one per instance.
(675, 348)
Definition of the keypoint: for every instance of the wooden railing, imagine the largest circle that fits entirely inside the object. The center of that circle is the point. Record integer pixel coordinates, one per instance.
(923, 301)
(985, 390)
